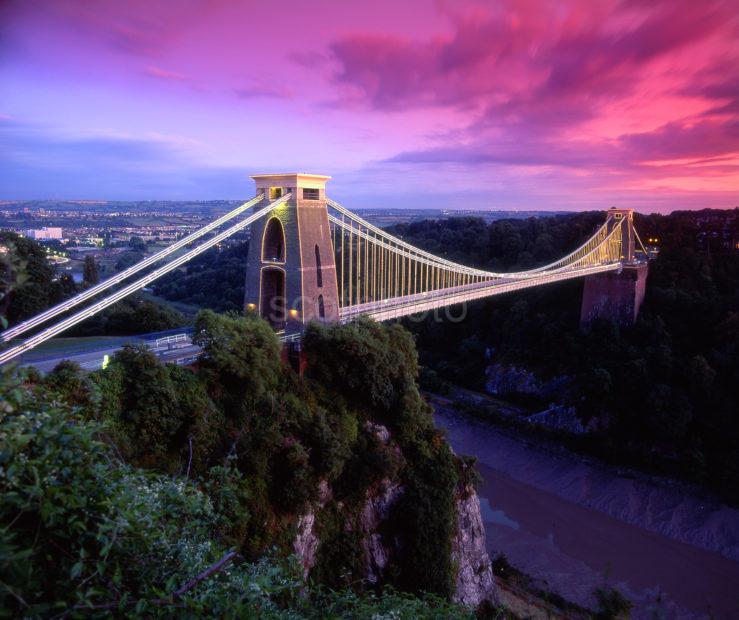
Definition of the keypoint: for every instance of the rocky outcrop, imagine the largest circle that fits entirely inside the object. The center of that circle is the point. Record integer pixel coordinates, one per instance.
(376, 509)
(305, 545)
(558, 418)
(474, 581)
(503, 380)
(306, 542)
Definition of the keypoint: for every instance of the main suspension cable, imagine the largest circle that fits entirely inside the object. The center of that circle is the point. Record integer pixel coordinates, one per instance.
(67, 304)
(80, 316)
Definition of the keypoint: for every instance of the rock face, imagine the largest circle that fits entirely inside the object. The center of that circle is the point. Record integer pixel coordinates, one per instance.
(376, 509)
(475, 581)
(306, 540)
(502, 380)
(559, 418)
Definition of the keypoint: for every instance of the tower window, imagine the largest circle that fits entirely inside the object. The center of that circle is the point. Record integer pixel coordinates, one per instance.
(275, 193)
(310, 193)
(319, 273)
(321, 307)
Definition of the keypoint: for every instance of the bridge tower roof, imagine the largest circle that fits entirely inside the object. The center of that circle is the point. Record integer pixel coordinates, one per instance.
(290, 179)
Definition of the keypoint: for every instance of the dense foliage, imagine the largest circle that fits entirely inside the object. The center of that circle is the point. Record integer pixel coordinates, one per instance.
(120, 487)
(213, 280)
(130, 316)
(38, 287)
(373, 368)
(664, 392)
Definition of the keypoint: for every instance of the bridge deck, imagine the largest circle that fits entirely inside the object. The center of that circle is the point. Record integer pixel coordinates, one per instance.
(397, 307)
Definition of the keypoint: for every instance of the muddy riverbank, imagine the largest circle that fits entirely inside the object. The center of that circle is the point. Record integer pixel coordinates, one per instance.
(575, 525)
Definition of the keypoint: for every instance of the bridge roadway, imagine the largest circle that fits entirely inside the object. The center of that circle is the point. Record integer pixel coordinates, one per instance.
(397, 307)
(174, 352)
(178, 348)
(171, 349)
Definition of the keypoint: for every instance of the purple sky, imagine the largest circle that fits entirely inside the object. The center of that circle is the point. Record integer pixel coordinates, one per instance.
(452, 104)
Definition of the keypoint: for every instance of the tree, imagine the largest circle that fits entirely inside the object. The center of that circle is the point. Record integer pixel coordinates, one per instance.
(242, 359)
(130, 316)
(11, 275)
(90, 274)
(373, 366)
(213, 280)
(127, 259)
(33, 291)
(137, 244)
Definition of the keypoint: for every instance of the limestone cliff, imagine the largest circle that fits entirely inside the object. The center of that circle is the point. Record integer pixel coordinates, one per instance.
(474, 582)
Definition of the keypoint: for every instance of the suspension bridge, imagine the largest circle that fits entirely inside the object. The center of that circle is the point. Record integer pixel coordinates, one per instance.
(310, 258)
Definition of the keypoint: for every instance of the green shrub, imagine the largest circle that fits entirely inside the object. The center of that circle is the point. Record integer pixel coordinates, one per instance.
(83, 535)
(69, 380)
(370, 462)
(371, 365)
(374, 368)
(230, 494)
(294, 483)
(340, 558)
(425, 517)
(247, 443)
(333, 437)
(242, 364)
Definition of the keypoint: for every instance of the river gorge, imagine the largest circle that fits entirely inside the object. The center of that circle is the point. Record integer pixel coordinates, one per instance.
(574, 524)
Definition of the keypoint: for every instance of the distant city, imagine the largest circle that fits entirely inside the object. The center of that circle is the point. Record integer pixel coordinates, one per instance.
(73, 229)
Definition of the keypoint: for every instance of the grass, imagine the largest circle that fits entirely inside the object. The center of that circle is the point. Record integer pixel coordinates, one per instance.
(67, 345)
(189, 311)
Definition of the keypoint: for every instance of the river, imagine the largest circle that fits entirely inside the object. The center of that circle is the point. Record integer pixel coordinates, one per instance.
(574, 524)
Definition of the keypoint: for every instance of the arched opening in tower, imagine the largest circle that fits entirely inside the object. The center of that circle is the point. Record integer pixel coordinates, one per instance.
(272, 301)
(273, 242)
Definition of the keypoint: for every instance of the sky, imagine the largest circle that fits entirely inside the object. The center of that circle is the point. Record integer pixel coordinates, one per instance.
(454, 104)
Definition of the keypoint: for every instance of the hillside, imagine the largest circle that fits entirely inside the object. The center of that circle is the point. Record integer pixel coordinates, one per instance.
(238, 488)
(660, 395)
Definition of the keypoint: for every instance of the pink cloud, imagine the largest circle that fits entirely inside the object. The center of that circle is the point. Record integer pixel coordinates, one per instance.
(547, 84)
(163, 74)
(611, 96)
(526, 56)
(264, 90)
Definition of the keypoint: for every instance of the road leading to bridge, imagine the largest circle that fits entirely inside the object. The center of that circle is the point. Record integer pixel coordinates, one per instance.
(175, 349)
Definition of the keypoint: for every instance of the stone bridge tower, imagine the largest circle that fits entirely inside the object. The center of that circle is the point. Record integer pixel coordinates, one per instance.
(617, 295)
(291, 273)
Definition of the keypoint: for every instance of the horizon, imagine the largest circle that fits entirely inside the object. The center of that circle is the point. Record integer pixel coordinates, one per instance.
(563, 211)
(538, 106)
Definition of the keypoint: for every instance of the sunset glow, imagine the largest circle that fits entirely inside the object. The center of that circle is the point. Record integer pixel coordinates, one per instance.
(504, 105)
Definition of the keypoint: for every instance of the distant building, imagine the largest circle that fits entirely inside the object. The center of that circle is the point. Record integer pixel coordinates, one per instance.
(44, 233)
